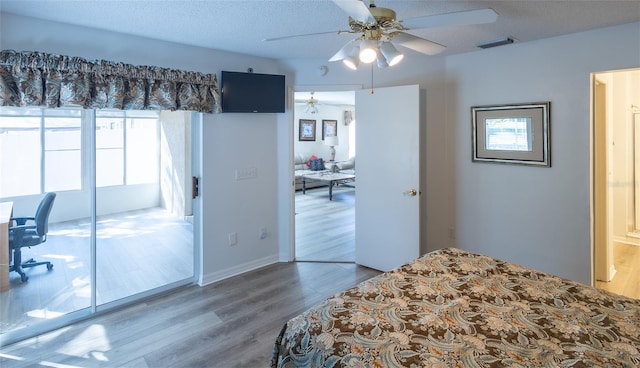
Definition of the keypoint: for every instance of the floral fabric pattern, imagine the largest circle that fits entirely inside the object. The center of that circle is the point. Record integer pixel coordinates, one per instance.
(49, 80)
(452, 308)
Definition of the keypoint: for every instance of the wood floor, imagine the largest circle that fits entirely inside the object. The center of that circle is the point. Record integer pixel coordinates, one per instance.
(626, 281)
(232, 323)
(325, 230)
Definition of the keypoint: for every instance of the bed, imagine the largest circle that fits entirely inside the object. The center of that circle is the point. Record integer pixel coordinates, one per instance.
(452, 308)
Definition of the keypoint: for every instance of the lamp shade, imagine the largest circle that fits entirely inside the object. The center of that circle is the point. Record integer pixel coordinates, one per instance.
(331, 141)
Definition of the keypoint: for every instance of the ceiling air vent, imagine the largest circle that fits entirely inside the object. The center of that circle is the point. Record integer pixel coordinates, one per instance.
(494, 43)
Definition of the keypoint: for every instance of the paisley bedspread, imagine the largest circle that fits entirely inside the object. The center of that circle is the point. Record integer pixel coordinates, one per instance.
(452, 308)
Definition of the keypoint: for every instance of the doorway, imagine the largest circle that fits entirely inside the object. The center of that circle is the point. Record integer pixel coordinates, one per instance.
(616, 181)
(324, 210)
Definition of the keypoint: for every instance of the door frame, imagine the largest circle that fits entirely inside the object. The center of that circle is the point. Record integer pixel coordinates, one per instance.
(289, 220)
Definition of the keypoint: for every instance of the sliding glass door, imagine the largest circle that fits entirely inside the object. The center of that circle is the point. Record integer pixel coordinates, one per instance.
(144, 239)
(41, 152)
(120, 225)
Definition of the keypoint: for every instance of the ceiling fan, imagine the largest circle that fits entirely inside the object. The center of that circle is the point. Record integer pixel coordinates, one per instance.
(378, 26)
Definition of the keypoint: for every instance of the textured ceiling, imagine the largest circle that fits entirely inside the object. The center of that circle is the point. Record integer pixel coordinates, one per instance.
(240, 26)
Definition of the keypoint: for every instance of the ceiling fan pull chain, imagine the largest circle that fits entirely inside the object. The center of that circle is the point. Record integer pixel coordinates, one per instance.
(372, 91)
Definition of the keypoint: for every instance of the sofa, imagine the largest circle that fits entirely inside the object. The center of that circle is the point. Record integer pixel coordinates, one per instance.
(347, 167)
(301, 167)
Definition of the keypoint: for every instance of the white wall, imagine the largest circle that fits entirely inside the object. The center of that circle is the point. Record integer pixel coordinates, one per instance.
(229, 141)
(317, 147)
(538, 217)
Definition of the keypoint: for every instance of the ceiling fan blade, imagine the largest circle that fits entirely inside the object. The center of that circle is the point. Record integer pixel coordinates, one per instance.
(479, 16)
(344, 51)
(356, 9)
(417, 43)
(300, 35)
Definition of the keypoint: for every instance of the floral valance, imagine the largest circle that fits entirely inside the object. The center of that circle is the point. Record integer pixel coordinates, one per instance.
(49, 80)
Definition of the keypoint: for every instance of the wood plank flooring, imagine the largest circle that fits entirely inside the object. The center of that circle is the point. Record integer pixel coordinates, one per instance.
(626, 281)
(232, 323)
(325, 230)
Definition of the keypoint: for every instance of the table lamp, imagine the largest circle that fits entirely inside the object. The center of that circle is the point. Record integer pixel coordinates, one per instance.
(331, 142)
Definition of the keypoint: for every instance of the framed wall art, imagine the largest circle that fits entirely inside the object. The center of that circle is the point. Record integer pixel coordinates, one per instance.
(307, 130)
(329, 128)
(512, 134)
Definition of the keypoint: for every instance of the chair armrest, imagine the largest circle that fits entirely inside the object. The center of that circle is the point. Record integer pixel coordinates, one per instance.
(22, 220)
(21, 227)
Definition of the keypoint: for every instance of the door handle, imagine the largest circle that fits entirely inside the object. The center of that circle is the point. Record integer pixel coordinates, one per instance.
(410, 192)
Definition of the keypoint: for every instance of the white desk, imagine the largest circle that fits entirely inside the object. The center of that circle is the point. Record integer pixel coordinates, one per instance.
(6, 211)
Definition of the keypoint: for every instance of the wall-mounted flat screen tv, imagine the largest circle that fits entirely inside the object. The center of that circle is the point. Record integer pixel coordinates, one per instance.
(252, 92)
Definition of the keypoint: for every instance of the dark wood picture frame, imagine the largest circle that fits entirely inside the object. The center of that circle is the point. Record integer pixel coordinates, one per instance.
(307, 130)
(329, 128)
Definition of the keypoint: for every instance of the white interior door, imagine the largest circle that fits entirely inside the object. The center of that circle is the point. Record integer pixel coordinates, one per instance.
(387, 177)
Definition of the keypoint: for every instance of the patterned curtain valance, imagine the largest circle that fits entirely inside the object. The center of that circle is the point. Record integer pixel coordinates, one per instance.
(40, 79)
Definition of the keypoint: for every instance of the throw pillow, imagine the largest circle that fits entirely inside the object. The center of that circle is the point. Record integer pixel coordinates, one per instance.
(313, 157)
(317, 164)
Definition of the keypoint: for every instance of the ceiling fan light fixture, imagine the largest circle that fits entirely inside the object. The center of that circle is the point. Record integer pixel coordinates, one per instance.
(352, 61)
(311, 105)
(382, 62)
(368, 53)
(391, 54)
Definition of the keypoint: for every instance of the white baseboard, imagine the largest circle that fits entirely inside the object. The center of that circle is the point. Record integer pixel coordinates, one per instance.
(237, 270)
(612, 272)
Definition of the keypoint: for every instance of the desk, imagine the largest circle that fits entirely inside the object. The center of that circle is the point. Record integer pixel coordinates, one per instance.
(6, 211)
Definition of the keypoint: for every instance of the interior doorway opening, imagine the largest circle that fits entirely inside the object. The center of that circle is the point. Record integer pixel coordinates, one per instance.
(616, 181)
(325, 189)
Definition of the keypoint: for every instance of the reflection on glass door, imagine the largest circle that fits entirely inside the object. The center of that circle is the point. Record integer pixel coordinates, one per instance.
(143, 238)
(40, 153)
(135, 166)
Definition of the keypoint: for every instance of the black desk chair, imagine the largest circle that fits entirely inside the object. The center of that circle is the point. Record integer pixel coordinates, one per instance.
(30, 231)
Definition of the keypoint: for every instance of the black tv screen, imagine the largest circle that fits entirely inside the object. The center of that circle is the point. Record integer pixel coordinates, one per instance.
(252, 92)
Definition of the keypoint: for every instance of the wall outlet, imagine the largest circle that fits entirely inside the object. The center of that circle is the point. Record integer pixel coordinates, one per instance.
(262, 232)
(233, 238)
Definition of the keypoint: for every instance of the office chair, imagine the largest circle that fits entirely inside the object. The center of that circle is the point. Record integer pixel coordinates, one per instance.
(30, 231)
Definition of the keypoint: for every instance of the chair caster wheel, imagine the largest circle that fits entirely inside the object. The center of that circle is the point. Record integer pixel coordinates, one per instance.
(50, 266)
(24, 278)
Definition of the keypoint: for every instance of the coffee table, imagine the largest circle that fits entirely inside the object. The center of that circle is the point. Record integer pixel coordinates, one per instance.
(327, 177)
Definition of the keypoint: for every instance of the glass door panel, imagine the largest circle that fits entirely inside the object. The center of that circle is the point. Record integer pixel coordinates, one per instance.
(143, 238)
(130, 171)
(40, 152)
